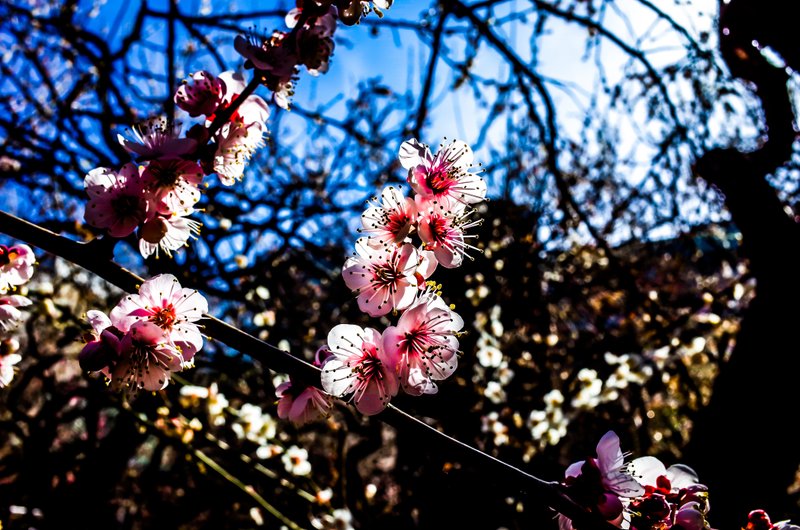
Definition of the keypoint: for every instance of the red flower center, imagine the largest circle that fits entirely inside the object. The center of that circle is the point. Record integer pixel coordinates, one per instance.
(164, 317)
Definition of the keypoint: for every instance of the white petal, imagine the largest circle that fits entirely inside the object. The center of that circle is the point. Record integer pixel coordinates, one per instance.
(337, 378)
(646, 470)
(413, 153)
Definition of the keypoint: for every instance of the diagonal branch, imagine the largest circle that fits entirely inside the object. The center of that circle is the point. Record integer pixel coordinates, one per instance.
(549, 493)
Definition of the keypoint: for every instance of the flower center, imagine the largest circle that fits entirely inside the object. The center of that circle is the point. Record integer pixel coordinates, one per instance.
(438, 180)
(166, 175)
(439, 230)
(7, 255)
(387, 275)
(399, 225)
(368, 368)
(126, 205)
(164, 317)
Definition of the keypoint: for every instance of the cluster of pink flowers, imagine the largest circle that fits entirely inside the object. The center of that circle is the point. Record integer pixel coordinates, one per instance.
(644, 494)
(158, 192)
(639, 495)
(147, 336)
(389, 273)
(277, 57)
(16, 268)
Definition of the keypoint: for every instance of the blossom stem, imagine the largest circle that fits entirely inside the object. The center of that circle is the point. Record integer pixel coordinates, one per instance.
(249, 490)
(214, 466)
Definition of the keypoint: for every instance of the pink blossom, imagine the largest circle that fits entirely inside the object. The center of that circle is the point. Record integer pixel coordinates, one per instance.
(172, 309)
(425, 344)
(173, 184)
(16, 266)
(613, 472)
(202, 95)
(441, 228)
(234, 85)
(427, 264)
(359, 366)
(276, 61)
(7, 363)
(166, 233)
(598, 483)
(146, 360)
(236, 142)
(267, 54)
(156, 138)
(314, 41)
(301, 404)
(760, 520)
(102, 343)
(445, 177)
(10, 316)
(391, 221)
(116, 200)
(384, 279)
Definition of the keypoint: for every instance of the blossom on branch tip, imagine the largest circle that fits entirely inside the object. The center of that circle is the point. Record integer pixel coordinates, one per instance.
(446, 177)
(147, 336)
(599, 483)
(360, 368)
(16, 266)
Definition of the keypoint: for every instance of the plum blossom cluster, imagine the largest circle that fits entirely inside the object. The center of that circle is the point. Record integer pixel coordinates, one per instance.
(389, 273)
(156, 193)
(640, 495)
(146, 337)
(16, 268)
(644, 494)
(277, 57)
